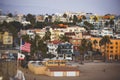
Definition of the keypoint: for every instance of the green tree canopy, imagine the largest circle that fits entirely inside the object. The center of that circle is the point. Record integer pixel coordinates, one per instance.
(64, 38)
(31, 18)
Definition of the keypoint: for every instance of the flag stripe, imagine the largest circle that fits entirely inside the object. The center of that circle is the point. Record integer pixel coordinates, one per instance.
(26, 47)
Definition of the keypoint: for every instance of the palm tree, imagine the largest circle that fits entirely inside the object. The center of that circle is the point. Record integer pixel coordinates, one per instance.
(26, 38)
(95, 43)
(50, 18)
(89, 45)
(106, 23)
(103, 42)
(70, 19)
(65, 15)
(47, 36)
(64, 38)
(31, 18)
(38, 46)
(75, 19)
(82, 49)
(83, 17)
(95, 19)
(111, 22)
(89, 49)
(35, 42)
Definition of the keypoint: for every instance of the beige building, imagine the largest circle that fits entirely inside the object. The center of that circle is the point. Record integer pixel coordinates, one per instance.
(7, 38)
(56, 68)
(40, 18)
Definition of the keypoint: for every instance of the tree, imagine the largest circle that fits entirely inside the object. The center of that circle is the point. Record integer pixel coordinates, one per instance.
(95, 43)
(26, 38)
(38, 45)
(80, 20)
(82, 49)
(17, 25)
(10, 15)
(46, 20)
(95, 19)
(89, 49)
(83, 17)
(65, 15)
(50, 18)
(34, 44)
(106, 23)
(43, 48)
(64, 38)
(4, 25)
(75, 19)
(47, 36)
(103, 42)
(31, 18)
(89, 45)
(111, 22)
(70, 19)
(88, 25)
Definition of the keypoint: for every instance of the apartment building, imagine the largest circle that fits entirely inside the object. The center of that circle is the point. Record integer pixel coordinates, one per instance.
(112, 49)
(117, 27)
(65, 51)
(106, 31)
(52, 47)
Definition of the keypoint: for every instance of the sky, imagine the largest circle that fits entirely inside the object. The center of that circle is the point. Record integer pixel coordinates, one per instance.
(100, 7)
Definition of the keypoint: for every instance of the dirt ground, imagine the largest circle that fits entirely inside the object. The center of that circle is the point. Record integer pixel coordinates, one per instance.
(88, 71)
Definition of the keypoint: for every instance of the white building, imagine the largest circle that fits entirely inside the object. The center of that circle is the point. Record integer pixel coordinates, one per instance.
(106, 31)
(52, 47)
(94, 32)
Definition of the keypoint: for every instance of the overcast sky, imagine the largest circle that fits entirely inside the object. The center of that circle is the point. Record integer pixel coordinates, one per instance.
(60, 6)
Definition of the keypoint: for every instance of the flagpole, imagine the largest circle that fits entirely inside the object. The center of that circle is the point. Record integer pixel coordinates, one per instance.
(19, 52)
(20, 44)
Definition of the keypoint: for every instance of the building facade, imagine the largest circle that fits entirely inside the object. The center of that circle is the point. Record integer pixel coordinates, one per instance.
(65, 51)
(112, 49)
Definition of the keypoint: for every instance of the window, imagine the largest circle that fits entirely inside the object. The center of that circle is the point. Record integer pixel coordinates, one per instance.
(111, 51)
(107, 50)
(70, 30)
(111, 47)
(116, 43)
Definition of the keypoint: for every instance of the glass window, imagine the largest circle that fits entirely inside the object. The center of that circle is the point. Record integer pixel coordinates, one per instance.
(111, 47)
(116, 43)
(111, 51)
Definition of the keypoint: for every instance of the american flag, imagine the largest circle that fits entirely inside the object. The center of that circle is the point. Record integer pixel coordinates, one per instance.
(25, 47)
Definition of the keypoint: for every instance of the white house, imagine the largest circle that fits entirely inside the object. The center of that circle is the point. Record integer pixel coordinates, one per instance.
(106, 31)
(52, 47)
